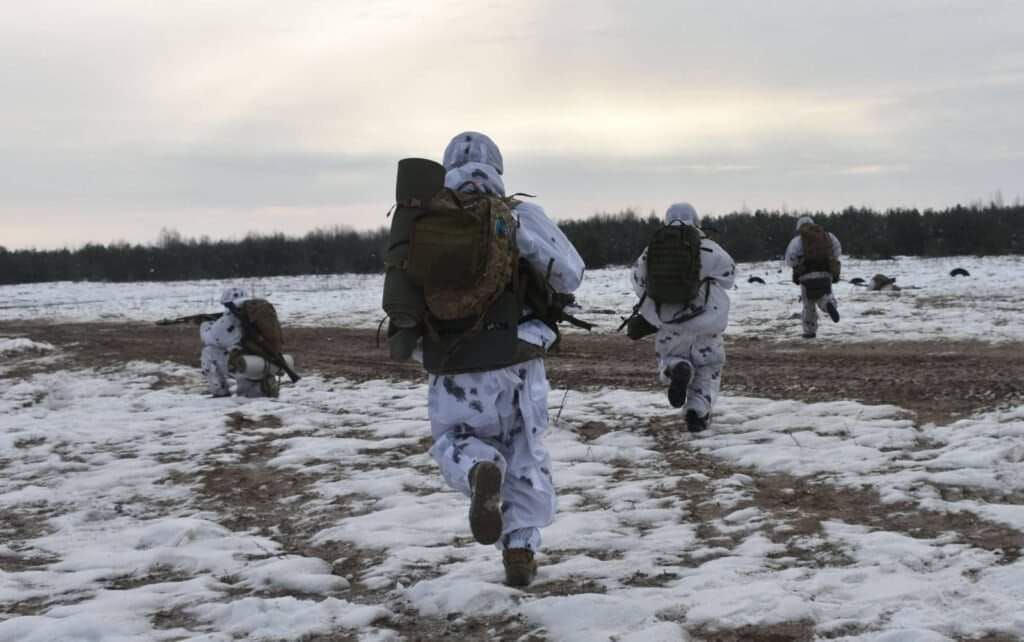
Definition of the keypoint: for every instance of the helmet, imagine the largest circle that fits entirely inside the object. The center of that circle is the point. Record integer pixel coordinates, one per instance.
(475, 178)
(682, 213)
(233, 295)
(473, 147)
(803, 220)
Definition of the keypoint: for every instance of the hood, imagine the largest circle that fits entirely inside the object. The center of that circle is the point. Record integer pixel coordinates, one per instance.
(474, 178)
(682, 213)
(234, 295)
(473, 147)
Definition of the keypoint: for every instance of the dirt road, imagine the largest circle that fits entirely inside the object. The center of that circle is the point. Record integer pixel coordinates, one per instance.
(939, 381)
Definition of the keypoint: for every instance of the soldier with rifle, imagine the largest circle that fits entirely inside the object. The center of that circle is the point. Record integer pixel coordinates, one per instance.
(477, 284)
(682, 278)
(244, 342)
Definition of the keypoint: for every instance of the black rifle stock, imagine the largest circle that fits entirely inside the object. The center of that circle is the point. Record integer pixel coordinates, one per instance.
(194, 318)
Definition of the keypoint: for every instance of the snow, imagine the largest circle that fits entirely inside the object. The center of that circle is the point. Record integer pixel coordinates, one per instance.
(112, 471)
(17, 345)
(125, 515)
(932, 305)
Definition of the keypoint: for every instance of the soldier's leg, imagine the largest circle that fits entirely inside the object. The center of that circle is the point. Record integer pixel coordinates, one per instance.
(675, 367)
(472, 418)
(528, 496)
(708, 357)
(214, 363)
(809, 316)
(829, 306)
(248, 388)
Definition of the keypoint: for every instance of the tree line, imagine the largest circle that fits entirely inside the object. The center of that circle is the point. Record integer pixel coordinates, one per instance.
(617, 239)
(603, 240)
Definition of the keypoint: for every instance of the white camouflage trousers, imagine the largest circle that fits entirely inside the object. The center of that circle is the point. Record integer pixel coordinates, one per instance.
(809, 316)
(214, 362)
(704, 353)
(219, 338)
(498, 416)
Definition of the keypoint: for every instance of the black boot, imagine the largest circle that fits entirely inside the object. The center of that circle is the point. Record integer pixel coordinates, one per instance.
(833, 313)
(485, 504)
(696, 423)
(681, 376)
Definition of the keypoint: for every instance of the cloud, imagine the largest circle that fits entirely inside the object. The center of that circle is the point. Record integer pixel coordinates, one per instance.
(187, 114)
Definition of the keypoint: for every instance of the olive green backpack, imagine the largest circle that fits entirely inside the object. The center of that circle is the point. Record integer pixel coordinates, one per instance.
(673, 265)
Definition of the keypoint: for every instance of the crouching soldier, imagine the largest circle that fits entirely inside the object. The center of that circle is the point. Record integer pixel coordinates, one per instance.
(681, 279)
(491, 274)
(814, 256)
(245, 343)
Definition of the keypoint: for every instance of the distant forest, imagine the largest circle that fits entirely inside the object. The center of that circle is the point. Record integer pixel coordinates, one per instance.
(603, 240)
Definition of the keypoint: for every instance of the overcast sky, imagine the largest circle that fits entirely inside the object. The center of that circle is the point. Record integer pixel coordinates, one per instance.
(119, 118)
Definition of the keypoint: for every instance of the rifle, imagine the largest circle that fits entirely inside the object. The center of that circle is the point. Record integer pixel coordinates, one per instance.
(194, 319)
(254, 342)
(548, 305)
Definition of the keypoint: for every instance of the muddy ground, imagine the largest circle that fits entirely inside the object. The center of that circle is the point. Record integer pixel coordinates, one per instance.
(939, 381)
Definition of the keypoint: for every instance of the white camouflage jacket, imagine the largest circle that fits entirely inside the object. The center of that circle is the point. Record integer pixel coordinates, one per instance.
(718, 274)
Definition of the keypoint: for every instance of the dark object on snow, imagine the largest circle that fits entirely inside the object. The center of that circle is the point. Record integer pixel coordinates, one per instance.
(755, 279)
(881, 282)
(959, 272)
(857, 281)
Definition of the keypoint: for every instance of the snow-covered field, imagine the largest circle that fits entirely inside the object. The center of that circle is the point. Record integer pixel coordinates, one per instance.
(932, 305)
(137, 509)
(133, 507)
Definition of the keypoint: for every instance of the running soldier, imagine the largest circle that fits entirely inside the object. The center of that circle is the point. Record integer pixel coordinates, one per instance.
(681, 279)
(814, 256)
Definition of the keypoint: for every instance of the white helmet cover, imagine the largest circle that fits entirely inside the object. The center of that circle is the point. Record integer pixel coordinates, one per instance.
(803, 220)
(233, 295)
(682, 213)
(470, 147)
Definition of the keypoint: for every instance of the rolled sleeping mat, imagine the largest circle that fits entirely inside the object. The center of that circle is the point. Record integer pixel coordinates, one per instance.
(402, 344)
(250, 366)
(418, 180)
(403, 300)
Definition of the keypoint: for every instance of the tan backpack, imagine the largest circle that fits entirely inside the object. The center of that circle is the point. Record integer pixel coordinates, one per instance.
(818, 256)
(463, 253)
(262, 318)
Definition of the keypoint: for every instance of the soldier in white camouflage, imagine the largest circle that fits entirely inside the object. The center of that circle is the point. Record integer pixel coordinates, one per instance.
(689, 344)
(489, 426)
(815, 269)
